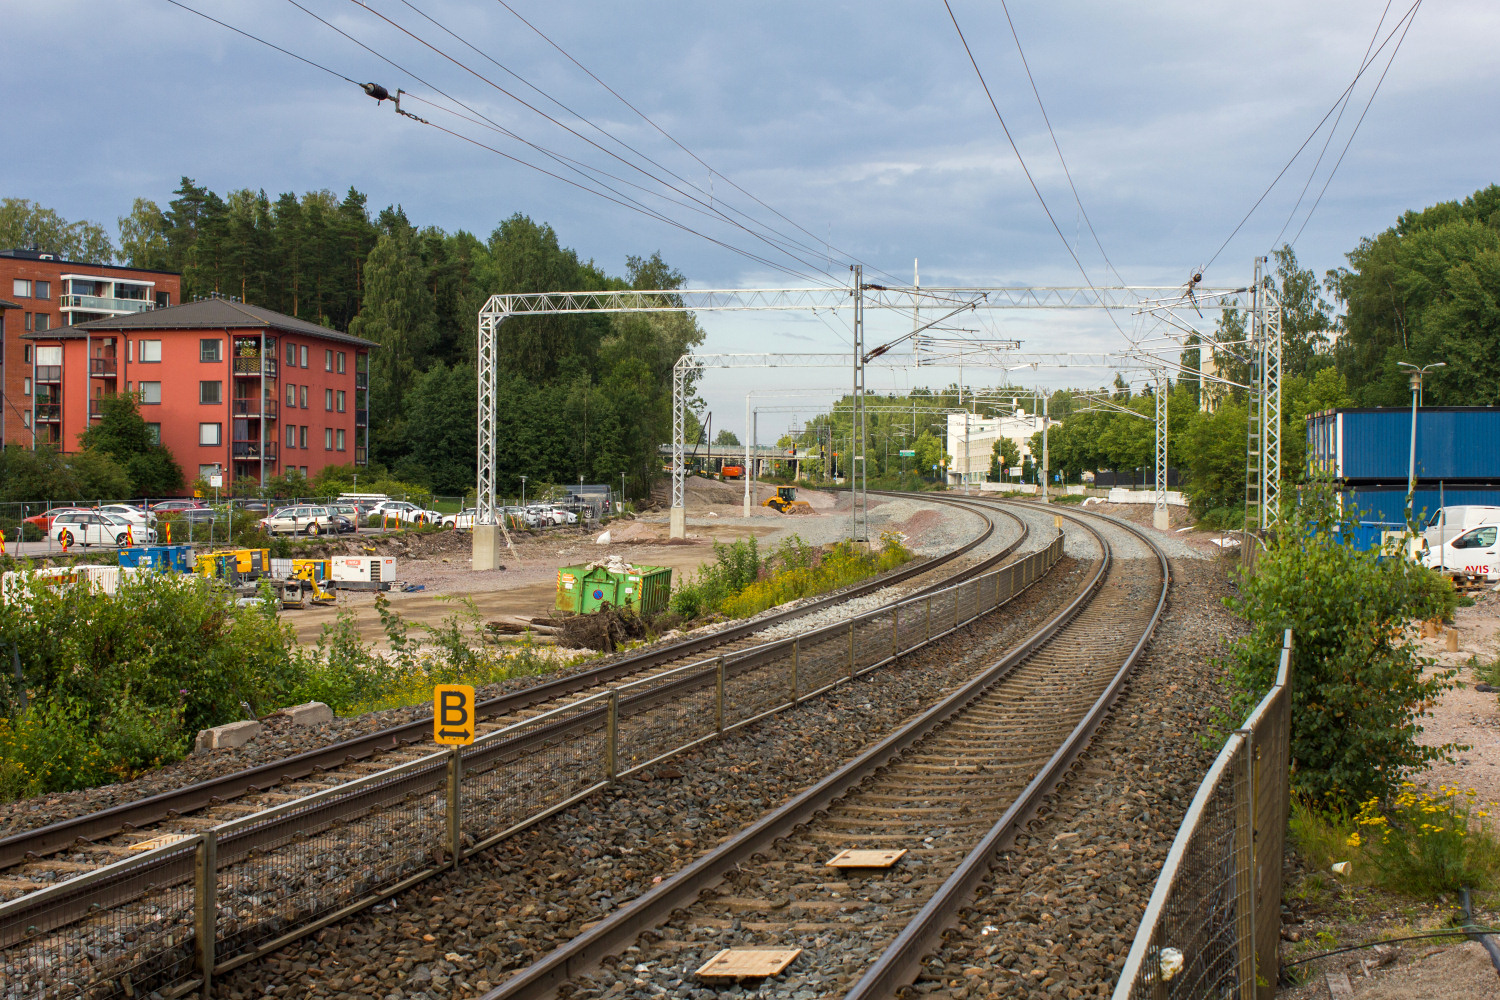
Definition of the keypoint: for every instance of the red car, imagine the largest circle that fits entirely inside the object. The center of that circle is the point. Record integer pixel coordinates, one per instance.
(167, 506)
(43, 522)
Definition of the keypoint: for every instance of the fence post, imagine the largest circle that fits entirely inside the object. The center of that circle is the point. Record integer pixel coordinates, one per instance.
(929, 619)
(612, 735)
(895, 631)
(956, 591)
(455, 803)
(796, 657)
(1244, 869)
(719, 697)
(206, 907)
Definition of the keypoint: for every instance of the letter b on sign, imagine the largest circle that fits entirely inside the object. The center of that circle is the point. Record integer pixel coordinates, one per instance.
(453, 714)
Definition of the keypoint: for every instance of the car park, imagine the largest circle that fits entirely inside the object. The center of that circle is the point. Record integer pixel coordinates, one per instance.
(301, 519)
(407, 513)
(88, 528)
(43, 522)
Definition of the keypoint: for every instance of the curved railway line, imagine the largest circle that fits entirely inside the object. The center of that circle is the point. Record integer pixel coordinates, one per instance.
(216, 893)
(950, 789)
(98, 838)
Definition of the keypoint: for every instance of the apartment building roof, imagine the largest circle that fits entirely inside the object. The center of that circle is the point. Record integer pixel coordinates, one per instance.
(204, 314)
(36, 254)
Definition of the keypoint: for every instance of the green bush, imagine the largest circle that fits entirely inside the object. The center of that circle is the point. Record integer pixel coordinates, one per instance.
(1359, 689)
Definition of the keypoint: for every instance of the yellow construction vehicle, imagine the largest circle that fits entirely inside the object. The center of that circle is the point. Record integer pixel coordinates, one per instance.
(312, 573)
(785, 502)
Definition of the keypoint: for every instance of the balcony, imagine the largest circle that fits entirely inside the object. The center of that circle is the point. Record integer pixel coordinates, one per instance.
(361, 455)
(49, 413)
(97, 303)
(253, 367)
(361, 418)
(105, 366)
(361, 380)
(254, 408)
(49, 373)
(253, 451)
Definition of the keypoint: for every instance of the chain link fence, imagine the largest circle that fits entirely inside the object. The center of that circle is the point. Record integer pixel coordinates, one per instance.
(165, 922)
(1213, 925)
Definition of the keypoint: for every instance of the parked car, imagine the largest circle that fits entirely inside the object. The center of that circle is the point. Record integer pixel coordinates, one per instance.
(408, 513)
(87, 527)
(463, 519)
(305, 519)
(174, 505)
(348, 514)
(1471, 553)
(562, 515)
(130, 512)
(196, 515)
(43, 522)
(252, 506)
(1447, 523)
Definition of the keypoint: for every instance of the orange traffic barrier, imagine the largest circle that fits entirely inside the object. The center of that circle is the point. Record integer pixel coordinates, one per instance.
(130, 535)
(169, 532)
(2, 542)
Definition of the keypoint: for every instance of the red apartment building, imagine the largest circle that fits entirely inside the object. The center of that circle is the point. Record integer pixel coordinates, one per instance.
(227, 387)
(47, 292)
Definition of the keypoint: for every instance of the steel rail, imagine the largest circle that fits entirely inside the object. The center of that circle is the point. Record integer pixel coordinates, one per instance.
(28, 845)
(621, 928)
(900, 961)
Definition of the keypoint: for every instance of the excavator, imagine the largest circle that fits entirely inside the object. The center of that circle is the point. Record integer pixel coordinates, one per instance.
(785, 502)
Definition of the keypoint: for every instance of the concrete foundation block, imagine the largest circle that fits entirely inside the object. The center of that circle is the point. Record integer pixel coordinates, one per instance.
(677, 523)
(314, 713)
(487, 541)
(235, 734)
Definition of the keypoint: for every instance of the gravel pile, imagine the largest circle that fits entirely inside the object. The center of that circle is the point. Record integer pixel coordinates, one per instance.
(1058, 914)
(465, 930)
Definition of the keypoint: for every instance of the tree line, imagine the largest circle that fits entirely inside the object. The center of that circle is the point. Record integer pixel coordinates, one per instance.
(578, 395)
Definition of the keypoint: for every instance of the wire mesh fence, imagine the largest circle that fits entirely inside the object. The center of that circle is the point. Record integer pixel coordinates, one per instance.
(169, 920)
(1214, 919)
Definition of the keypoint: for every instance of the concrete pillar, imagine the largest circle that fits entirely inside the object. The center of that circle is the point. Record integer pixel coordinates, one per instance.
(486, 546)
(1159, 519)
(678, 525)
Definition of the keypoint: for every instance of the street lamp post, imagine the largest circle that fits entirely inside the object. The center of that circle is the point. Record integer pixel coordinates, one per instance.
(1411, 460)
(523, 491)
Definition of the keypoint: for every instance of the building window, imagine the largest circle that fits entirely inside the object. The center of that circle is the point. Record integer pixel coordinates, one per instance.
(302, 394)
(207, 472)
(43, 322)
(340, 437)
(210, 435)
(25, 418)
(21, 288)
(210, 350)
(27, 322)
(27, 383)
(291, 435)
(340, 395)
(328, 361)
(291, 394)
(43, 289)
(328, 400)
(150, 352)
(150, 392)
(163, 299)
(291, 354)
(328, 439)
(28, 354)
(341, 362)
(153, 431)
(304, 355)
(302, 436)
(211, 392)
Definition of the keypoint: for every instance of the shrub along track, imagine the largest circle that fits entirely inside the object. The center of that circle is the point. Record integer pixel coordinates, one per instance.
(951, 787)
(65, 848)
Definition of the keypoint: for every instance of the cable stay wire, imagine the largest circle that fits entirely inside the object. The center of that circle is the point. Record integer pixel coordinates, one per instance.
(713, 202)
(1329, 179)
(1024, 169)
(827, 280)
(1316, 129)
(567, 128)
(1056, 145)
(621, 200)
(1328, 140)
(673, 139)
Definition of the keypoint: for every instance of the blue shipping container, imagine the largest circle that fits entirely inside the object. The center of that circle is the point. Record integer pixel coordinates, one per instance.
(1455, 444)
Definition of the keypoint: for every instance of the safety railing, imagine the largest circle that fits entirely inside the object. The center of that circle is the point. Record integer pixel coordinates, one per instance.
(171, 919)
(1213, 924)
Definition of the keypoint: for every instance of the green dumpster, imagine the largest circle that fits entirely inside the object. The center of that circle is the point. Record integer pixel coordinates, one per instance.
(585, 588)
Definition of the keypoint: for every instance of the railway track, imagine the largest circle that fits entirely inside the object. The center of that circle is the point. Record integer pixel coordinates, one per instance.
(28, 860)
(950, 789)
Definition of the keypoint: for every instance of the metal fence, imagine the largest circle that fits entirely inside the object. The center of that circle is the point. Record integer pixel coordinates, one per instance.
(1213, 925)
(171, 918)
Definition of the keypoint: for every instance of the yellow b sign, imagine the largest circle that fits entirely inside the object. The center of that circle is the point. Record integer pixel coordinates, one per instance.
(453, 714)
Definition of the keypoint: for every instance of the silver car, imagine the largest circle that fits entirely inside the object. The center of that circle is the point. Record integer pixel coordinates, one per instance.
(303, 519)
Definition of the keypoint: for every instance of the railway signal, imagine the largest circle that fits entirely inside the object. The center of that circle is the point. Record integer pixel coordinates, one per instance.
(453, 714)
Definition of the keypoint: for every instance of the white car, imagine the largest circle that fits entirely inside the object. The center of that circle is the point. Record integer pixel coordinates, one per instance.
(561, 516)
(87, 527)
(1472, 553)
(463, 519)
(409, 513)
(133, 514)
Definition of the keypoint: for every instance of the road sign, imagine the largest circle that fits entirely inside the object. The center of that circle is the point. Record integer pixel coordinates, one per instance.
(908, 454)
(453, 714)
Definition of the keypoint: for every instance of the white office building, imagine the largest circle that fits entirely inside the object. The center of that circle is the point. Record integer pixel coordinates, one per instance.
(972, 438)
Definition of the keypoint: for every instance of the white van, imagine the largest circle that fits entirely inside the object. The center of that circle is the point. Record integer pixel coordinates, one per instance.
(1447, 523)
(1472, 553)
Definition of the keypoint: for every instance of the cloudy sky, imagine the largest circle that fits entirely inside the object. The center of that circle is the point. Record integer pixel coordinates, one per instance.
(863, 125)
